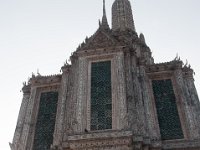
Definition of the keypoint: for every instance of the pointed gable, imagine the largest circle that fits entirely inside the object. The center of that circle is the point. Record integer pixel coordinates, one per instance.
(101, 39)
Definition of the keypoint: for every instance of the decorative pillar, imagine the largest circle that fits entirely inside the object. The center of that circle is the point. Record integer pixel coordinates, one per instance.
(63, 97)
(21, 118)
(192, 103)
(27, 121)
(184, 90)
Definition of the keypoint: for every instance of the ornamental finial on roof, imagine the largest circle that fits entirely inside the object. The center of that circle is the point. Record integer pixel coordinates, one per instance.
(142, 38)
(104, 18)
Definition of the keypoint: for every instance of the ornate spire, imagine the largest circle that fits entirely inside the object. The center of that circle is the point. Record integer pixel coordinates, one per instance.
(104, 18)
(122, 17)
(142, 38)
(104, 9)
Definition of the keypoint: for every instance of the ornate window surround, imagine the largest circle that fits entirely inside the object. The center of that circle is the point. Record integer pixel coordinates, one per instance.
(106, 119)
(90, 61)
(39, 90)
(179, 101)
(81, 94)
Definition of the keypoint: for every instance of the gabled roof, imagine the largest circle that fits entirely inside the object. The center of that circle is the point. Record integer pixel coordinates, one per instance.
(101, 39)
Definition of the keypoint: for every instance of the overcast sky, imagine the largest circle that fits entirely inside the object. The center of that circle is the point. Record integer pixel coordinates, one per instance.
(42, 34)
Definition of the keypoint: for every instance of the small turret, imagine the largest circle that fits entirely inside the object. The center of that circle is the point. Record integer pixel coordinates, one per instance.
(142, 38)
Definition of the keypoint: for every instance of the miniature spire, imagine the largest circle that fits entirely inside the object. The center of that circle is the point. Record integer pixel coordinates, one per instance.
(104, 9)
(142, 38)
(104, 18)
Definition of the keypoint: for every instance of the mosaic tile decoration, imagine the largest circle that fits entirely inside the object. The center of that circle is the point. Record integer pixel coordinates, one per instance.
(168, 117)
(101, 98)
(46, 121)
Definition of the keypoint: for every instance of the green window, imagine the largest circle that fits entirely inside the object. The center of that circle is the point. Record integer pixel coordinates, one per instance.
(168, 117)
(45, 121)
(101, 97)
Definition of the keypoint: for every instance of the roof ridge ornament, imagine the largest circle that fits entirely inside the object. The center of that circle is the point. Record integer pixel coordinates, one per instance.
(104, 23)
(142, 38)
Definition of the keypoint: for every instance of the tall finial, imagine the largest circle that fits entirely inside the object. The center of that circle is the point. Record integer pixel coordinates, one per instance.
(142, 38)
(104, 8)
(104, 18)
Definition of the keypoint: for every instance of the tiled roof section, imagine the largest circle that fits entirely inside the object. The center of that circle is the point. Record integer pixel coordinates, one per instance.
(43, 80)
(170, 66)
(165, 66)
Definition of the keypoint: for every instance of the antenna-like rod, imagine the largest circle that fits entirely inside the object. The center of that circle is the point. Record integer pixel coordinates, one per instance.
(104, 9)
(104, 18)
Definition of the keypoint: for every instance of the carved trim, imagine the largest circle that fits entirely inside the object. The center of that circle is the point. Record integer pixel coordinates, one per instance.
(179, 102)
(90, 61)
(182, 145)
(114, 139)
(118, 91)
(39, 90)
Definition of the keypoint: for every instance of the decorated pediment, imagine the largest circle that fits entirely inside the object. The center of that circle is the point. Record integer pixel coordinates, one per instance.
(101, 39)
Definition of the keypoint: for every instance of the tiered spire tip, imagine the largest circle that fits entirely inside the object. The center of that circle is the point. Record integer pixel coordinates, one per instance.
(104, 18)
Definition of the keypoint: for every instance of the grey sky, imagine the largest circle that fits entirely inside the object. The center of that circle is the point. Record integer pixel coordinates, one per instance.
(41, 34)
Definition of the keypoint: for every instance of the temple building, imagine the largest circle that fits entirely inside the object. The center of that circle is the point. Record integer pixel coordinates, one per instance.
(112, 96)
